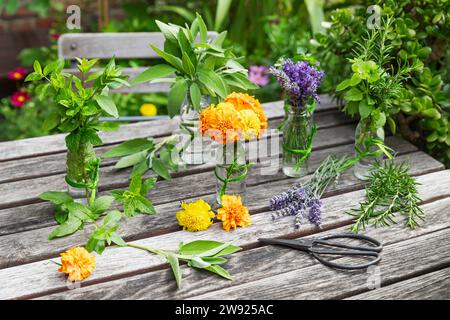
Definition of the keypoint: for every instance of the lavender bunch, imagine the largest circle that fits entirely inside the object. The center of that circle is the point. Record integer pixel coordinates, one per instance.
(303, 201)
(299, 80)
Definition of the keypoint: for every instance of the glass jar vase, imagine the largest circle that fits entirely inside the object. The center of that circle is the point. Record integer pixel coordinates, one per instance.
(82, 170)
(298, 133)
(196, 149)
(363, 134)
(231, 170)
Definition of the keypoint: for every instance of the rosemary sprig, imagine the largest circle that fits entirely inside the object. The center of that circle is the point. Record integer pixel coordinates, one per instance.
(391, 190)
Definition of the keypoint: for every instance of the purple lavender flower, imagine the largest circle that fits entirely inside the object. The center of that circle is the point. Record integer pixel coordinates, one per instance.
(296, 192)
(299, 80)
(258, 75)
(315, 211)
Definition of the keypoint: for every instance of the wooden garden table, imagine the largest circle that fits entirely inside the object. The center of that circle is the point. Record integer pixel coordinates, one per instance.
(415, 264)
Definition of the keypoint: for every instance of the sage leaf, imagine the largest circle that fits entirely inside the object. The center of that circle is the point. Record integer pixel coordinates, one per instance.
(198, 262)
(219, 271)
(175, 265)
(177, 95)
(160, 169)
(129, 147)
(131, 160)
(152, 73)
(195, 96)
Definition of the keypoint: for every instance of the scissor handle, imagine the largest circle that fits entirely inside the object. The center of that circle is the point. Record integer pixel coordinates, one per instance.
(376, 246)
(372, 251)
(346, 266)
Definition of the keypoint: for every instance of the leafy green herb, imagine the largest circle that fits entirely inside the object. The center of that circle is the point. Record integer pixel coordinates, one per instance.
(106, 233)
(146, 154)
(391, 190)
(134, 199)
(200, 254)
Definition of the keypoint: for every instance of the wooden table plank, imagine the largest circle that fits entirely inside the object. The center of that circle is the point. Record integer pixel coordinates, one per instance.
(246, 267)
(34, 146)
(40, 278)
(430, 286)
(27, 191)
(400, 260)
(49, 165)
(33, 245)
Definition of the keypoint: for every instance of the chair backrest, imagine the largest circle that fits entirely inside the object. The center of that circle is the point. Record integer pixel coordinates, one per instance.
(122, 45)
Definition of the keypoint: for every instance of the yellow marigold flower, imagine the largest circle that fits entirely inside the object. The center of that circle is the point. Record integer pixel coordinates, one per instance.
(78, 263)
(222, 123)
(252, 124)
(148, 110)
(233, 213)
(196, 216)
(243, 101)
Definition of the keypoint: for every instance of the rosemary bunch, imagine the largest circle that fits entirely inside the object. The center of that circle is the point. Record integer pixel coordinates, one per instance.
(391, 190)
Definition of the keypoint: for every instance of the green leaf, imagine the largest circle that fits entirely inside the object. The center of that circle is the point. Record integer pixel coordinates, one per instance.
(144, 205)
(108, 105)
(158, 71)
(51, 122)
(112, 218)
(214, 260)
(101, 204)
(364, 109)
(432, 113)
(79, 211)
(117, 239)
(70, 226)
(219, 271)
(129, 147)
(148, 185)
(37, 67)
(177, 95)
(392, 125)
(106, 126)
(175, 265)
(187, 65)
(131, 160)
(56, 197)
(199, 247)
(195, 96)
(171, 59)
(354, 94)
(136, 183)
(343, 85)
(213, 81)
(222, 11)
(202, 28)
(198, 262)
(160, 169)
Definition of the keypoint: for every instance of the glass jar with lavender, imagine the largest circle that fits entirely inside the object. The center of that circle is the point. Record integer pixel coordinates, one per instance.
(298, 134)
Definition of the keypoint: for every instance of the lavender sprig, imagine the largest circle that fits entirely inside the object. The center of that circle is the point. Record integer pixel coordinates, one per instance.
(299, 80)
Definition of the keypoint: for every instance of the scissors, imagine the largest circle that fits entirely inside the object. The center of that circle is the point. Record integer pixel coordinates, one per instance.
(317, 247)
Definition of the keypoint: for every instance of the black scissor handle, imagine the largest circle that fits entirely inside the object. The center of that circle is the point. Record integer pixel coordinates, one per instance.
(375, 246)
(346, 266)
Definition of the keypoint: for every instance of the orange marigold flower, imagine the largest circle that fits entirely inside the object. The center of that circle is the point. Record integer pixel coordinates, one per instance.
(222, 123)
(233, 213)
(252, 124)
(243, 101)
(78, 263)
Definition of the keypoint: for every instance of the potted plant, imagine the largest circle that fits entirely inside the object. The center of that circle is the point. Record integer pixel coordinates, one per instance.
(203, 70)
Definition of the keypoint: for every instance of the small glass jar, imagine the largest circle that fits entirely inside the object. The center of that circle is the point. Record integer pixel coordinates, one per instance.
(197, 149)
(297, 130)
(80, 164)
(364, 132)
(231, 170)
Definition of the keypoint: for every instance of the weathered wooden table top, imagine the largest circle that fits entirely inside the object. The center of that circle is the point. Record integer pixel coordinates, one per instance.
(415, 264)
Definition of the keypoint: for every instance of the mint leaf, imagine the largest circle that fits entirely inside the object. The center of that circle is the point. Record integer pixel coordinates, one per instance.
(70, 226)
(56, 197)
(108, 105)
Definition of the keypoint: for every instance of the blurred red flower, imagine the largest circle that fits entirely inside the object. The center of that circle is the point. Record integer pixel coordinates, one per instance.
(17, 74)
(19, 98)
(54, 36)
